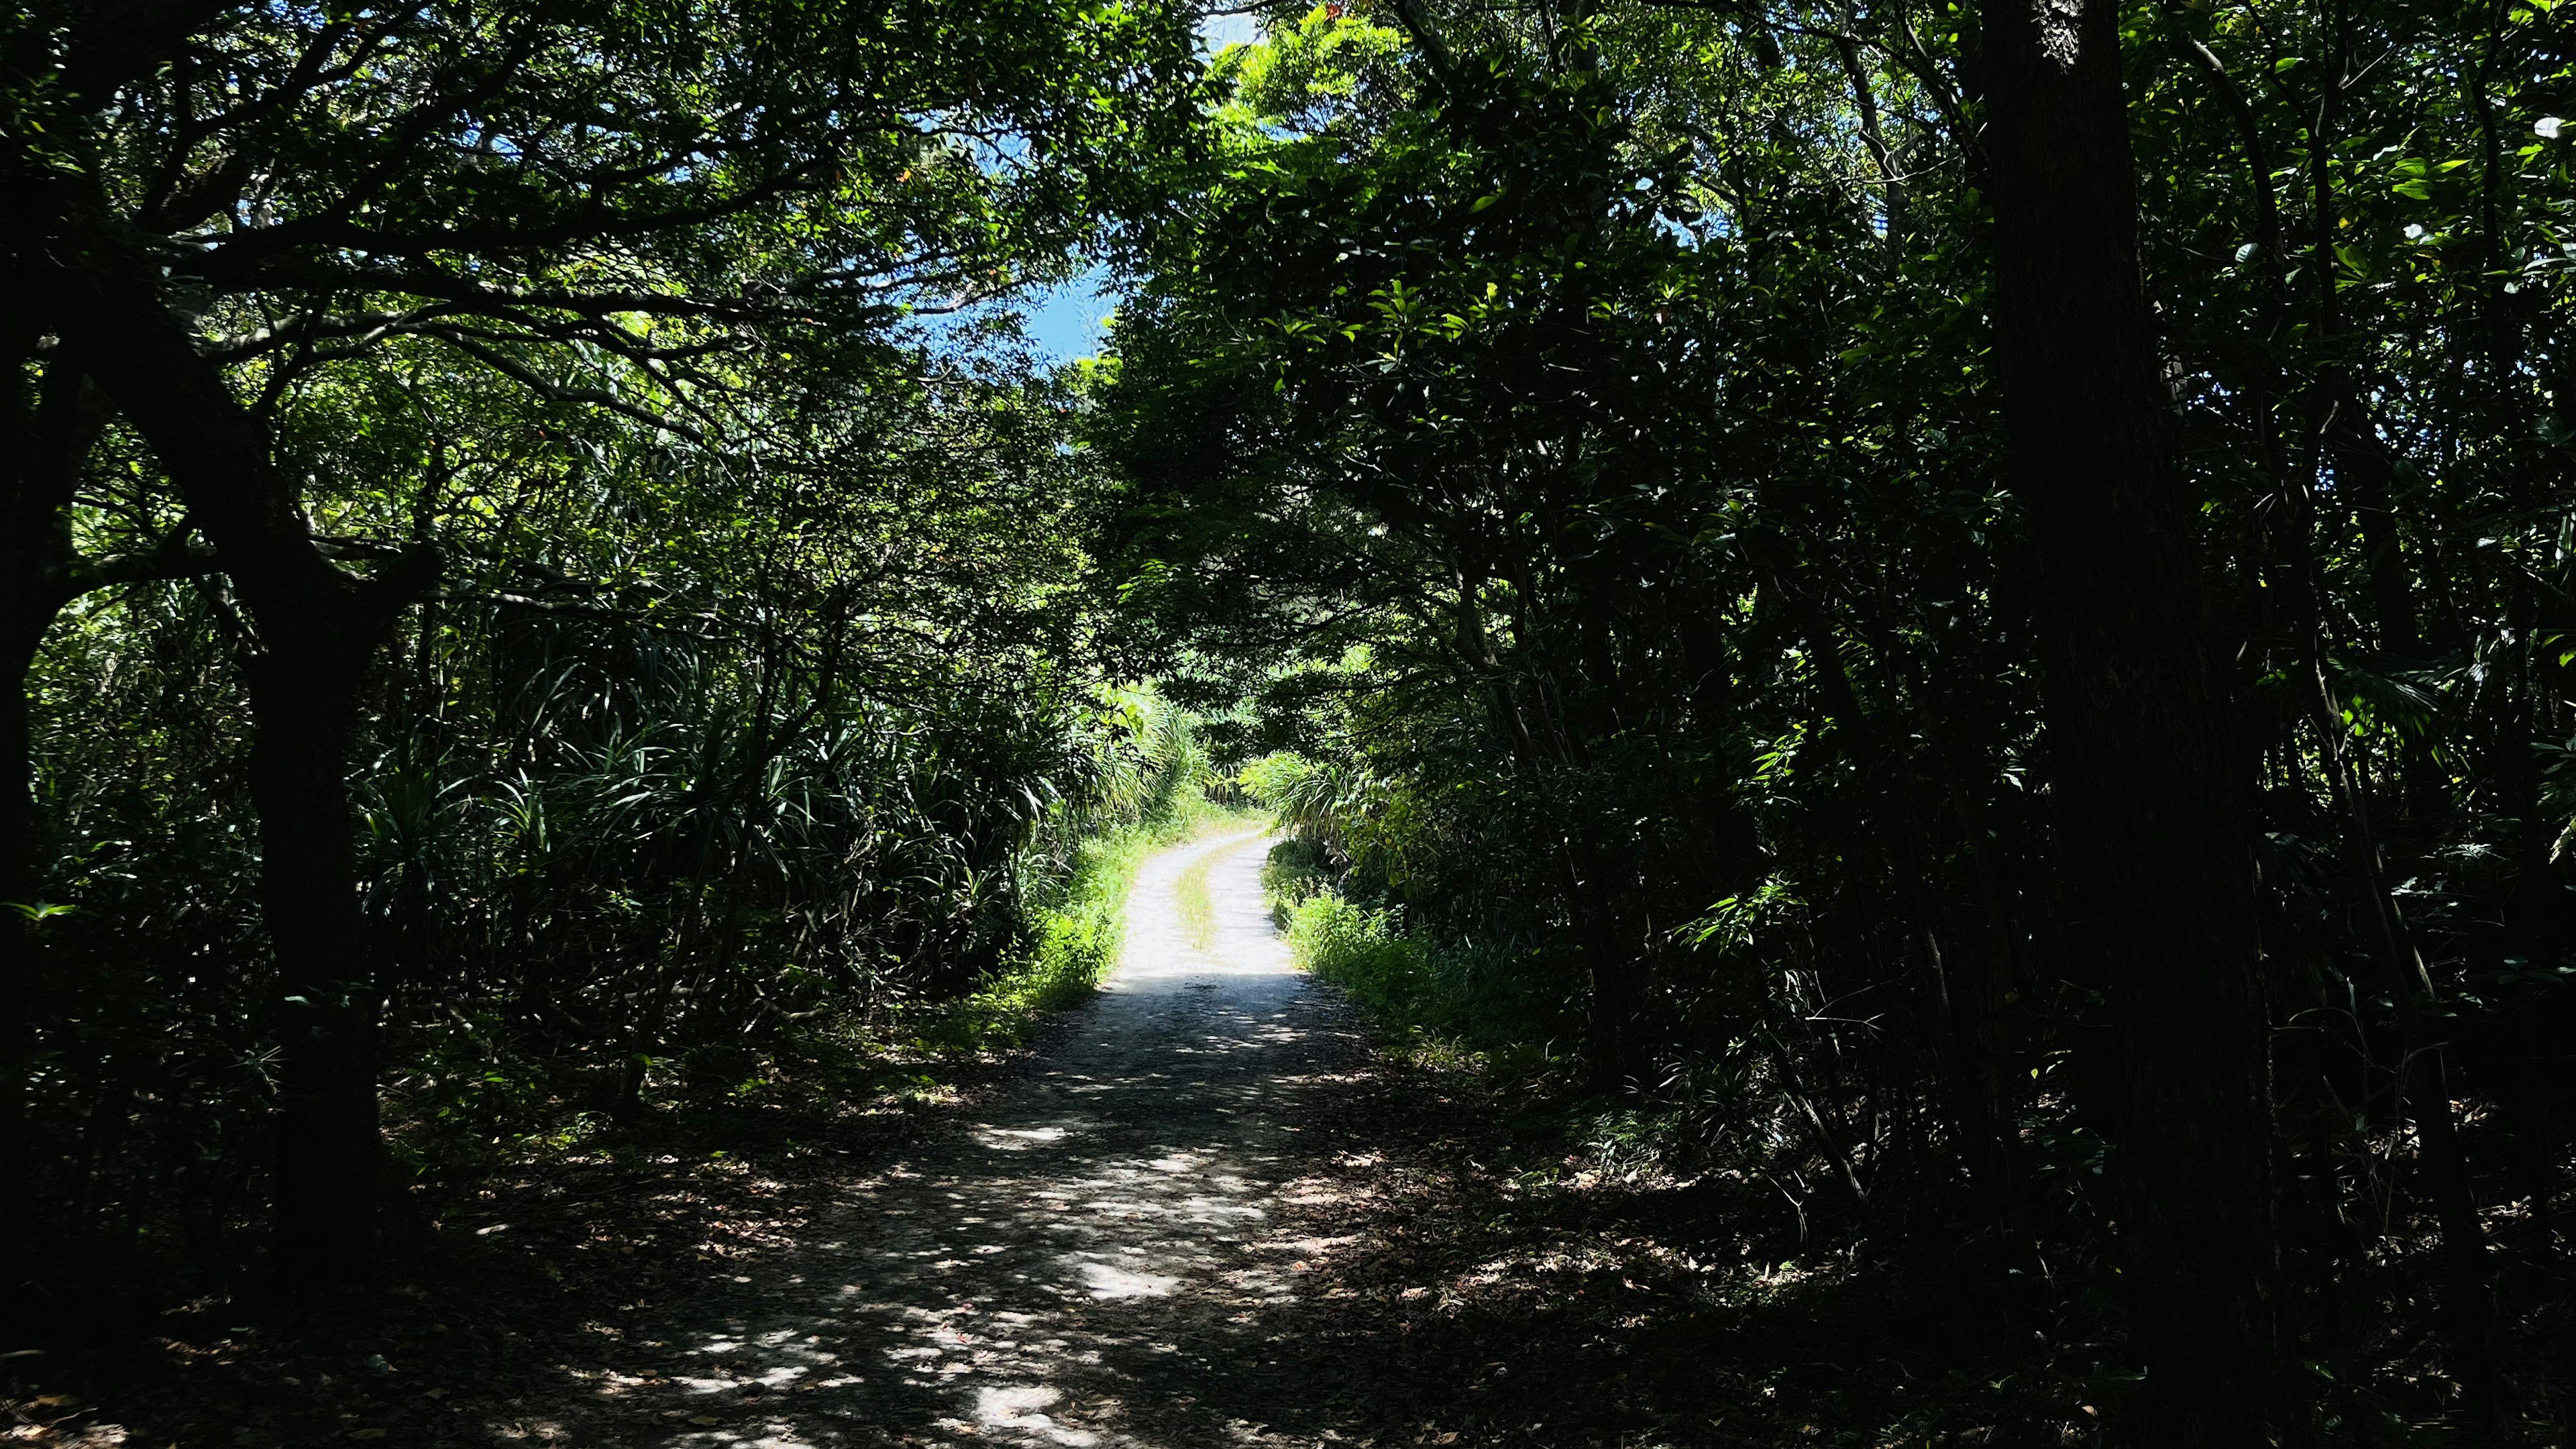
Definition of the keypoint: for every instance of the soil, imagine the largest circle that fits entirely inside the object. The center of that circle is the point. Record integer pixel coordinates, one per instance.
(1088, 1262)
(1204, 1210)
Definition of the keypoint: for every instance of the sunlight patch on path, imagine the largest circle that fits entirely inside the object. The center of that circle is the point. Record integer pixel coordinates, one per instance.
(1062, 1272)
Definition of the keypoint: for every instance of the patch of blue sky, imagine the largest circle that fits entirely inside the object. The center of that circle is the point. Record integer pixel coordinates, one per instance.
(1057, 324)
(1070, 320)
(1221, 28)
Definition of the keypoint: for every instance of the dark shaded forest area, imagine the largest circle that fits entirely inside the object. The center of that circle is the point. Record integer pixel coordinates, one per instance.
(1950, 628)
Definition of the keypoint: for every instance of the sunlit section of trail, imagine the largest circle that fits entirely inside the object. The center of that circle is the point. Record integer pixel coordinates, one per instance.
(1061, 1273)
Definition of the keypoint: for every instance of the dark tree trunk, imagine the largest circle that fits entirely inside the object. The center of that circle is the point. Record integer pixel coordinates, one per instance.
(2155, 849)
(317, 628)
(18, 566)
(18, 1312)
(41, 452)
(329, 1149)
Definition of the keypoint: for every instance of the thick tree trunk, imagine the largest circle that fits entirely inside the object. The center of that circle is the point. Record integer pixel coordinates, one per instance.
(329, 1150)
(2156, 855)
(317, 628)
(18, 1311)
(41, 453)
(18, 565)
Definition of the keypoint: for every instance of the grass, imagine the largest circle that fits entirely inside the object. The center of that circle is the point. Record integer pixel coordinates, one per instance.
(1074, 943)
(1071, 944)
(1198, 911)
(1367, 954)
(1483, 1006)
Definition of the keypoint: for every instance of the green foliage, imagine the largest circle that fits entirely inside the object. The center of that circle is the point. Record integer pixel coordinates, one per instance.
(1548, 459)
(748, 689)
(1306, 72)
(1076, 922)
(1573, 433)
(1488, 1002)
(772, 750)
(1295, 870)
(1365, 953)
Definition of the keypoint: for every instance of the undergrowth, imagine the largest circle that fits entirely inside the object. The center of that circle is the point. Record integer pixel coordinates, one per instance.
(1600, 1222)
(800, 1088)
(1479, 1005)
(1072, 941)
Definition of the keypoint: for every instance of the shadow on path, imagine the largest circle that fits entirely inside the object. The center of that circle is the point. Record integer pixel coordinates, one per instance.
(1115, 1240)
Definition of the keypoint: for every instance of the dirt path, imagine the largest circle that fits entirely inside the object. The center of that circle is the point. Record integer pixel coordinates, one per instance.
(1066, 1271)
(1203, 1214)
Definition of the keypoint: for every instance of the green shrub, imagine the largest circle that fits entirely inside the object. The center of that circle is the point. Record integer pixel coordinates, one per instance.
(1496, 1001)
(1069, 945)
(1365, 953)
(1295, 871)
(1073, 934)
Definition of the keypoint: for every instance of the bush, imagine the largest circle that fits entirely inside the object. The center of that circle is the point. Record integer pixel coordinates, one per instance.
(1492, 999)
(1075, 928)
(1365, 953)
(1295, 872)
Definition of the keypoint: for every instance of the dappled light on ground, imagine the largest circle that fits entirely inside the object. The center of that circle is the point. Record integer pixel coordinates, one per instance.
(1202, 1213)
(1062, 1271)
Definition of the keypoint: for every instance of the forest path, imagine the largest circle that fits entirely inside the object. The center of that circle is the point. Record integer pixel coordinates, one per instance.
(1111, 1239)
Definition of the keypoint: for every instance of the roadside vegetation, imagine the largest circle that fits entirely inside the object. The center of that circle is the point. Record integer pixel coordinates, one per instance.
(1946, 635)
(1973, 650)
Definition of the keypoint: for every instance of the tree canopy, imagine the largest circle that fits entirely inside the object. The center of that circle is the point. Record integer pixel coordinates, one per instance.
(1964, 611)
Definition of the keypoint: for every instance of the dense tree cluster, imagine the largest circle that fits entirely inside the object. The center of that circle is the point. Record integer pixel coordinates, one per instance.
(1965, 611)
(1970, 607)
(497, 584)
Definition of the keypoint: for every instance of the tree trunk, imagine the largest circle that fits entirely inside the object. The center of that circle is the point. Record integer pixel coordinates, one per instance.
(18, 564)
(317, 628)
(329, 1150)
(41, 453)
(2156, 856)
(18, 986)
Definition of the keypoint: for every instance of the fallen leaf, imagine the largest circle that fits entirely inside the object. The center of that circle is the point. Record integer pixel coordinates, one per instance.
(704, 1419)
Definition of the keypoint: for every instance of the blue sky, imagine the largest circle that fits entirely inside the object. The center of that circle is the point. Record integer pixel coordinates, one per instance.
(1067, 322)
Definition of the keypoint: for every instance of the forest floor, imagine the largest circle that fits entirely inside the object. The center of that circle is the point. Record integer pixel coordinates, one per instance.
(1203, 1210)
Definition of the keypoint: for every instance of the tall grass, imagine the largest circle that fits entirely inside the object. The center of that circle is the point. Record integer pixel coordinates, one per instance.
(1488, 1001)
(1074, 934)
(1198, 911)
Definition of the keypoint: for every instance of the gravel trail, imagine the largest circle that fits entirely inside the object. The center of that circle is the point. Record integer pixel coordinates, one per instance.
(1113, 1240)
